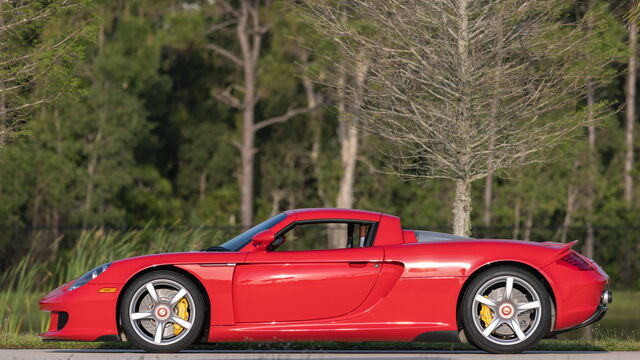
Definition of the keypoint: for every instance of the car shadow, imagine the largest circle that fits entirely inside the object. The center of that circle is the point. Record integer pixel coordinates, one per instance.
(313, 348)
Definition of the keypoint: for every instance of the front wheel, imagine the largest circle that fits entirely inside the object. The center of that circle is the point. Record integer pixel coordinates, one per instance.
(506, 310)
(162, 311)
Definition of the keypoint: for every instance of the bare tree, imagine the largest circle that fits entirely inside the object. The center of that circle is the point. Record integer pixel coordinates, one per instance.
(632, 74)
(348, 134)
(24, 61)
(591, 157)
(516, 219)
(433, 76)
(245, 20)
(488, 184)
(348, 138)
(572, 195)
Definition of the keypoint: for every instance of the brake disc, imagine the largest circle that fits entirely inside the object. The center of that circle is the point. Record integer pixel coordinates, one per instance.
(524, 319)
(146, 304)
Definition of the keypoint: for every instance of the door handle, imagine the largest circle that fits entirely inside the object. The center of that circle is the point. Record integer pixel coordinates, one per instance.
(357, 264)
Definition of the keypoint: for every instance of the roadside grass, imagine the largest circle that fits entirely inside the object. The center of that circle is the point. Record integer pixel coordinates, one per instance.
(31, 341)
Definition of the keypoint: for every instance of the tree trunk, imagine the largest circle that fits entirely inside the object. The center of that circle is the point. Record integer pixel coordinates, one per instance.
(55, 245)
(462, 208)
(93, 147)
(249, 33)
(349, 140)
(3, 107)
(246, 177)
(591, 157)
(348, 136)
(316, 138)
(462, 200)
(568, 216)
(630, 112)
(276, 199)
(349, 152)
(488, 197)
(92, 163)
(60, 153)
(516, 220)
(334, 237)
(202, 182)
(591, 168)
(250, 54)
(488, 182)
(528, 223)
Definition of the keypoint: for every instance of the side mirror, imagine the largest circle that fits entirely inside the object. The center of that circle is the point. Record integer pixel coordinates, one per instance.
(262, 239)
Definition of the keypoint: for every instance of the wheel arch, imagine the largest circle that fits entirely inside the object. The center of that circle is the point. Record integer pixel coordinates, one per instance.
(172, 268)
(518, 264)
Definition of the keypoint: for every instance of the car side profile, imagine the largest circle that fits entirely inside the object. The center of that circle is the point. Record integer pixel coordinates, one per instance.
(335, 275)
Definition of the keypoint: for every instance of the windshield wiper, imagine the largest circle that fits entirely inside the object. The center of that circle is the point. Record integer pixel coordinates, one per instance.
(216, 248)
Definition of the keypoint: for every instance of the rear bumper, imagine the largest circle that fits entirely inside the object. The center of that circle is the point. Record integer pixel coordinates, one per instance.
(83, 314)
(597, 316)
(577, 294)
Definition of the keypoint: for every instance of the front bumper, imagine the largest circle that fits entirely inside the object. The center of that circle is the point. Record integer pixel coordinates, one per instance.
(83, 314)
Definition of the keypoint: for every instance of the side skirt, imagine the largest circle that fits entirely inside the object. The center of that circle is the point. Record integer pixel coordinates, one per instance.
(438, 336)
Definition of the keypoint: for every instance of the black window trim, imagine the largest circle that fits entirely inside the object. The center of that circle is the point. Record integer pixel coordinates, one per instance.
(371, 236)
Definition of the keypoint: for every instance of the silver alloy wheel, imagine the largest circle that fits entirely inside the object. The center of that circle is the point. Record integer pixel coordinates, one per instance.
(153, 311)
(515, 307)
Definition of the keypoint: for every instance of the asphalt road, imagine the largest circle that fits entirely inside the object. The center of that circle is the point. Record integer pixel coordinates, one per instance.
(355, 355)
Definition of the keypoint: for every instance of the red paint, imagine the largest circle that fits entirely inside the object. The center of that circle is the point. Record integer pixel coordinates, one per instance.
(577, 292)
(300, 285)
(409, 236)
(395, 290)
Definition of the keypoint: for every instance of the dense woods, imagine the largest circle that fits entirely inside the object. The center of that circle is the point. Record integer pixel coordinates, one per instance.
(188, 113)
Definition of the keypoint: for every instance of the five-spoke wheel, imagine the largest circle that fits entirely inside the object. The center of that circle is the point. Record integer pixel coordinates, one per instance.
(162, 311)
(505, 310)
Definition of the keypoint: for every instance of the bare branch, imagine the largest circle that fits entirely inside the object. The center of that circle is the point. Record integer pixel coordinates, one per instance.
(220, 26)
(282, 118)
(462, 88)
(224, 52)
(227, 98)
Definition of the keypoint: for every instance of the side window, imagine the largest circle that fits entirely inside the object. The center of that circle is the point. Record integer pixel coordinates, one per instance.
(327, 235)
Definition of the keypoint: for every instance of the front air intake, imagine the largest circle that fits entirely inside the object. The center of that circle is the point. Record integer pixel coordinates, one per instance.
(63, 317)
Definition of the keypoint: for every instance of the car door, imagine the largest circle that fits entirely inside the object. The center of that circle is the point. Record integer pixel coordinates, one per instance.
(304, 285)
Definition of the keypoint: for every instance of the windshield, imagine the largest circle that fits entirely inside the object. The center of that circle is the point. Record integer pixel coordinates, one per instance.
(243, 239)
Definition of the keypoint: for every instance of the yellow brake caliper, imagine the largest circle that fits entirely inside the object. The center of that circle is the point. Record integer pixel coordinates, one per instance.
(183, 313)
(485, 315)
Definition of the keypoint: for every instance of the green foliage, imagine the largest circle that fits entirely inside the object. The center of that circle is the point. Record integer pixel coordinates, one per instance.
(132, 133)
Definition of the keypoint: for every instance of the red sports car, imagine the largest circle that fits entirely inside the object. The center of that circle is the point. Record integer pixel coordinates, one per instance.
(360, 277)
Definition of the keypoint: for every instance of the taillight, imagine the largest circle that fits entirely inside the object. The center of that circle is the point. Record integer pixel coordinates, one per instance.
(576, 261)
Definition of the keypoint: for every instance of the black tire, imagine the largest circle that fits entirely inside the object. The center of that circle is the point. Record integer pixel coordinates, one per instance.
(538, 320)
(139, 334)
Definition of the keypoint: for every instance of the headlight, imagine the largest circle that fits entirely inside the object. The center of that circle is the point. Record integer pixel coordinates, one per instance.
(92, 274)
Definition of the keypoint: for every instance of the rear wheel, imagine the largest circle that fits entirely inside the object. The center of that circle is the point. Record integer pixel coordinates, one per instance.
(162, 311)
(505, 310)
